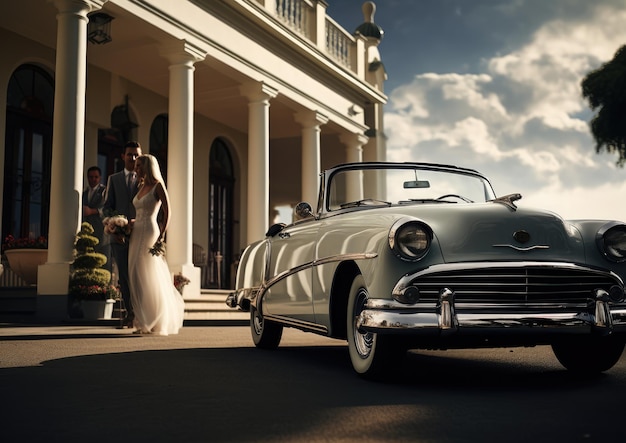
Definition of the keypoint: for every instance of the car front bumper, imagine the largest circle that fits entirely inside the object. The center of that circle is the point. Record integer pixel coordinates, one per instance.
(381, 316)
(493, 298)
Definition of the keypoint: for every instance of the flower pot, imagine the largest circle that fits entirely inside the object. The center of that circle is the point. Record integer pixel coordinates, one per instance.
(25, 262)
(97, 309)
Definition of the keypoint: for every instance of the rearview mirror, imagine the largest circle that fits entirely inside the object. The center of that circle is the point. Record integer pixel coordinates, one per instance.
(413, 184)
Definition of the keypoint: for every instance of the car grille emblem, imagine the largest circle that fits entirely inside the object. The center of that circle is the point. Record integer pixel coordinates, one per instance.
(521, 236)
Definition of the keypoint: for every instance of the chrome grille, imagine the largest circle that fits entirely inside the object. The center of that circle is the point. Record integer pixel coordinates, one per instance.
(515, 284)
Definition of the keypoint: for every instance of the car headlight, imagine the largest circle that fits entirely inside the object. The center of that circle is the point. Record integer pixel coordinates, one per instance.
(611, 239)
(410, 239)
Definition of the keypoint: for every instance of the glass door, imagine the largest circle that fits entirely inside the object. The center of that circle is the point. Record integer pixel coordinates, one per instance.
(221, 186)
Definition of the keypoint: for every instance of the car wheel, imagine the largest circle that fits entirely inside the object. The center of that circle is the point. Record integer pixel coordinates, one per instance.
(372, 355)
(589, 355)
(265, 334)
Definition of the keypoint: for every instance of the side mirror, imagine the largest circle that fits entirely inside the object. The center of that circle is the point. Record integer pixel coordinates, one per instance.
(303, 210)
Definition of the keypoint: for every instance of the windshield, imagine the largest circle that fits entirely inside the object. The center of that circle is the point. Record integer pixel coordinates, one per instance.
(392, 186)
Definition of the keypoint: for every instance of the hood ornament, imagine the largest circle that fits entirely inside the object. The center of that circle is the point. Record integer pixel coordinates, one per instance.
(508, 200)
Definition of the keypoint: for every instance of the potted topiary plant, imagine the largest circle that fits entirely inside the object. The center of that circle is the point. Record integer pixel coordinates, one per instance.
(90, 284)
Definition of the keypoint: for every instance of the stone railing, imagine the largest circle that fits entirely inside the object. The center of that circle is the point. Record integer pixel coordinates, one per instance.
(339, 43)
(8, 278)
(295, 14)
(308, 18)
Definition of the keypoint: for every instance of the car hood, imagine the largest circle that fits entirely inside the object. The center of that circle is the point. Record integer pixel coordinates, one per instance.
(496, 232)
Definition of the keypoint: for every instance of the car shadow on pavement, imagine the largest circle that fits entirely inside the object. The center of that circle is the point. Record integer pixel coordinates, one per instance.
(295, 393)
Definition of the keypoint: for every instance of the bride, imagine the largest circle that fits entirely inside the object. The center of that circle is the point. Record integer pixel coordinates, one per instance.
(158, 306)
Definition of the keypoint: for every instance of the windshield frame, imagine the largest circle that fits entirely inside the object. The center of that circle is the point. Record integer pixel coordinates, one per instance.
(329, 175)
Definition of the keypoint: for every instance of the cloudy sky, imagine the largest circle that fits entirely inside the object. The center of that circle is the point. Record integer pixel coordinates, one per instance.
(494, 85)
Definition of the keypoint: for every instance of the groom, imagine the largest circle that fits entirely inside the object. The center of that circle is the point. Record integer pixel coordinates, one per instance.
(121, 189)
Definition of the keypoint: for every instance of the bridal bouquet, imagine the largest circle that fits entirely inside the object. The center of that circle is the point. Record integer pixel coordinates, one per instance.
(116, 225)
(158, 248)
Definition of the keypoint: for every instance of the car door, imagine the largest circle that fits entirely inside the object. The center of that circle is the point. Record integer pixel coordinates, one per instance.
(291, 256)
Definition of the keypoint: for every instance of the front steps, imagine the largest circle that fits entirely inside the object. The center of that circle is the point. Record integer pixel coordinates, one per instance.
(210, 305)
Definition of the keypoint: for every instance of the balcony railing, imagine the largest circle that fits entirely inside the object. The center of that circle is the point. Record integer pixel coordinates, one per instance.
(301, 16)
(339, 43)
(295, 14)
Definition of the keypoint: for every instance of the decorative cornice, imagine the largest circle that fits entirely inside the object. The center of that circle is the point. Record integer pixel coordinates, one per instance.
(258, 91)
(82, 7)
(182, 52)
(311, 118)
(352, 139)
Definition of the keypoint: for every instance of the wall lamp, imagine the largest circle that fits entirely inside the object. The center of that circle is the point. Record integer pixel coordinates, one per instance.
(99, 28)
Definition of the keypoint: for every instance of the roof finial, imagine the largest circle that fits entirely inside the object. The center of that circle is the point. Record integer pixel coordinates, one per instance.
(369, 28)
(369, 9)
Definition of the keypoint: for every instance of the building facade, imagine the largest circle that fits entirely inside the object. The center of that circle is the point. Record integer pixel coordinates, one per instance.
(243, 102)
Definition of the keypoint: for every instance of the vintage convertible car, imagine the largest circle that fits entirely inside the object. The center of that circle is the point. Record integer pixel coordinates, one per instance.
(404, 256)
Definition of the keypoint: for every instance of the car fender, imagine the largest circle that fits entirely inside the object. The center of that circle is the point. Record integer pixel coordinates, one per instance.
(251, 273)
(589, 230)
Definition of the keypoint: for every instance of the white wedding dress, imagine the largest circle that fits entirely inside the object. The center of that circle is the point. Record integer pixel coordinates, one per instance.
(158, 306)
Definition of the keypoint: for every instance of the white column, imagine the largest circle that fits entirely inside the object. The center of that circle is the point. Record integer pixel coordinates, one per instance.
(259, 95)
(182, 57)
(354, 154)
(68, 143)
(311, 122)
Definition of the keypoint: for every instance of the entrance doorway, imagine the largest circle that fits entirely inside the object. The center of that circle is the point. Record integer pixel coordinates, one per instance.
(221, 189)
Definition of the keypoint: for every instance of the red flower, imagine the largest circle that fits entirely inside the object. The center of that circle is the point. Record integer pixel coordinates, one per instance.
(11, 242)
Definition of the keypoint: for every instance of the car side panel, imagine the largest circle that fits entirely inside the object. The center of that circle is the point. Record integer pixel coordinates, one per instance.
(289, 291)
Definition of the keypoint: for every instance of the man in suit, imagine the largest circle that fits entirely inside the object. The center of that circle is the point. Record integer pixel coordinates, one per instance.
(121, 189)
(93, 201)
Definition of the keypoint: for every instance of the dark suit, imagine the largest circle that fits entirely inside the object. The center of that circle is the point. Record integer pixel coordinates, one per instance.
(97, 202)
(119, 201)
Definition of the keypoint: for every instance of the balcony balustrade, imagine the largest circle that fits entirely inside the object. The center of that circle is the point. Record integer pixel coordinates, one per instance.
(303, 17)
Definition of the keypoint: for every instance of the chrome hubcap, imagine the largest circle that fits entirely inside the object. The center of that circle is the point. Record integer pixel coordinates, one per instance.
(363, 342)
(257, 323)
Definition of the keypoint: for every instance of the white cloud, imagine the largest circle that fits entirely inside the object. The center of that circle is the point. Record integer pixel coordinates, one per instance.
(474, 133)
(519, 121)
(601, 202)
(553, 63)
(467, 88)
(543, 162)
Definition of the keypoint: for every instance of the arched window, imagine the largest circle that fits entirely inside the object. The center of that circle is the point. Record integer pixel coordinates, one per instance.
(111, 140)
(28, 152)
(158, 141)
